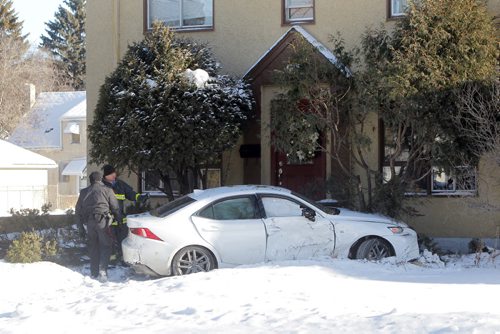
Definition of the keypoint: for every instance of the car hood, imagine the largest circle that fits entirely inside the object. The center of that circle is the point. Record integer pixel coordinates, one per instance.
(349, 215)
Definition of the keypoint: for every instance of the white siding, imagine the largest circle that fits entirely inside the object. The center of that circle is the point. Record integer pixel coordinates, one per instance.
(24, 188)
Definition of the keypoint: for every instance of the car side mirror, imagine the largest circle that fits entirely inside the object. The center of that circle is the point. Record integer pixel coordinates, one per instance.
(309, 214)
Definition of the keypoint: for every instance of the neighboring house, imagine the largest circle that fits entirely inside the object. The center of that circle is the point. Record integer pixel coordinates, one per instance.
(56, 128)
(23, 178)
(251, 39)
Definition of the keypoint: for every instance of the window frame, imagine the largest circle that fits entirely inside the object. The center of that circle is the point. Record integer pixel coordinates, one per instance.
(260, 196)
(390, 14)
(286, 22)
(154, 193)
(428, 179)
(147, 23)
(455, 191)
(258, 209)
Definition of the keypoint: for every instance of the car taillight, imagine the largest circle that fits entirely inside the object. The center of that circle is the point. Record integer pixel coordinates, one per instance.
(145, 233)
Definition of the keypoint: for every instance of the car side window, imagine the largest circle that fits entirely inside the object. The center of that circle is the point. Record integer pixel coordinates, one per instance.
(281, 207)
(231, 209)
(208, 212)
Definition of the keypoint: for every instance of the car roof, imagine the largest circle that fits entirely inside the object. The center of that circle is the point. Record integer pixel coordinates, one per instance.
(236, 190)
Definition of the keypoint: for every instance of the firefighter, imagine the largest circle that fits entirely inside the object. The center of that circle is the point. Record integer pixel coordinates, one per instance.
(95, 205)
(122, 192)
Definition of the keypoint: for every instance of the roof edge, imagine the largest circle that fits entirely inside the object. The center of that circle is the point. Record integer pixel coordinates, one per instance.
(327, 53)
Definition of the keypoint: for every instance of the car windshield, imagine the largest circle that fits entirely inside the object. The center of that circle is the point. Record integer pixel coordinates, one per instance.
(171, 207)
(326, 209)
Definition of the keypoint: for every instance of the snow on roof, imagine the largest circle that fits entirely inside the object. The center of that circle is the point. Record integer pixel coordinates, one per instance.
(314, 42)
(41, 127)
(17, 157)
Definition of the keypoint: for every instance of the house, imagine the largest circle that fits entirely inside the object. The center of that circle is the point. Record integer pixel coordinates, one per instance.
(56, 128)
(23, 178)
(250, 39)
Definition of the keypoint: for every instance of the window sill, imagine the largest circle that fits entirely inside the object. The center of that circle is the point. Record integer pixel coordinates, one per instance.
(188, 29)
(455, 194)
(442, 194)
(298, 22)
(395, 17)
(159, 194)
(155, 193)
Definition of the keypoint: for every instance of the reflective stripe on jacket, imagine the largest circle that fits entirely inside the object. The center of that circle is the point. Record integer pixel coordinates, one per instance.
(122, 192)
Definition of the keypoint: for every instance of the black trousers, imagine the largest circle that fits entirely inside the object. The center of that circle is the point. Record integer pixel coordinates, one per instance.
(120, 232)
(100, 244)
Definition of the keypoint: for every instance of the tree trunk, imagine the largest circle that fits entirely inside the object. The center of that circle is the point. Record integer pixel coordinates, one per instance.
(167, 186)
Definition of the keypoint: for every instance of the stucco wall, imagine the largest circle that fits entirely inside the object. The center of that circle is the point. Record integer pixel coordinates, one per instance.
(243, 31)
(475, 216)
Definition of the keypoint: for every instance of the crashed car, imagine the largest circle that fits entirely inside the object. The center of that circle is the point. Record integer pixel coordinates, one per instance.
(230, 226)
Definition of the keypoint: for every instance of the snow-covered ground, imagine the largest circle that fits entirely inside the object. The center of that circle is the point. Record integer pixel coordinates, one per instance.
(317, 296)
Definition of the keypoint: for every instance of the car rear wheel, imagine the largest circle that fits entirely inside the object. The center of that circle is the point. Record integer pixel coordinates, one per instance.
(192, 259)
(373, 250)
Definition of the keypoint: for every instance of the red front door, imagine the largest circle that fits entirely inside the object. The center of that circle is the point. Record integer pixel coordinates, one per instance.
(307, 178)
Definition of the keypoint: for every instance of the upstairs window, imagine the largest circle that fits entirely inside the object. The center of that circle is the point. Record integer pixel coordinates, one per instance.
(397, 7)
(75, 138)
(73, 128)
(181, 14)
(297, 11)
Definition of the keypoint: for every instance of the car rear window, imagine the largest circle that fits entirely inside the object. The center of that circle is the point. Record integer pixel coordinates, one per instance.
(171, 207)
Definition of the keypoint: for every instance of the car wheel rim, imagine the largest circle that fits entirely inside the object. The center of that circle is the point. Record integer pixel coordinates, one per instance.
(378, 251)
(193, 261)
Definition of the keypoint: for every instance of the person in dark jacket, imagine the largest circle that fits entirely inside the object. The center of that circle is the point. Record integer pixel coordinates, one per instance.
(94, 207)
(122, 192)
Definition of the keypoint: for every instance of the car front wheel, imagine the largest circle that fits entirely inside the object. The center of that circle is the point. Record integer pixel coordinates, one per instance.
(192, 259)
(373, 250)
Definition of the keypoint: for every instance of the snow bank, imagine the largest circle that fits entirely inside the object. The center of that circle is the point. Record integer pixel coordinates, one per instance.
(321, 296)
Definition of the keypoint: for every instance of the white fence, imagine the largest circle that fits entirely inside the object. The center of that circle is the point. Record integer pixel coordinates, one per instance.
(22, 197)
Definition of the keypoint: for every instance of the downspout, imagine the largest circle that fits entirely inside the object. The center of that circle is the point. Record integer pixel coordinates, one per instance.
(116, 30)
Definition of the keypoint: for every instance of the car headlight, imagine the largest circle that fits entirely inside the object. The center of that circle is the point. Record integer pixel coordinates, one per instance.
(396, 229)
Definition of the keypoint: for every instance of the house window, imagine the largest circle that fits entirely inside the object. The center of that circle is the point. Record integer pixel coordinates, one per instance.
(462, 180)
(429, 180)
(213, 178)
(75, 138)
(298, 11)
(397, 7)
(181, 14)
(419, 173)
(73, 129)
(152, 183)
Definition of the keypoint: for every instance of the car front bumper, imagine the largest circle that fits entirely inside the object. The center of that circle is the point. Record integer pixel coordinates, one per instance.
(406, 245)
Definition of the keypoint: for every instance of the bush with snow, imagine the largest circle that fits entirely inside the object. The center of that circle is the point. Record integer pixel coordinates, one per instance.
(166, 110)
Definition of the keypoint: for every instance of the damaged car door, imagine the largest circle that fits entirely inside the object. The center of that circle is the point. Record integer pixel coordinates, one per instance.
(295, 230)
